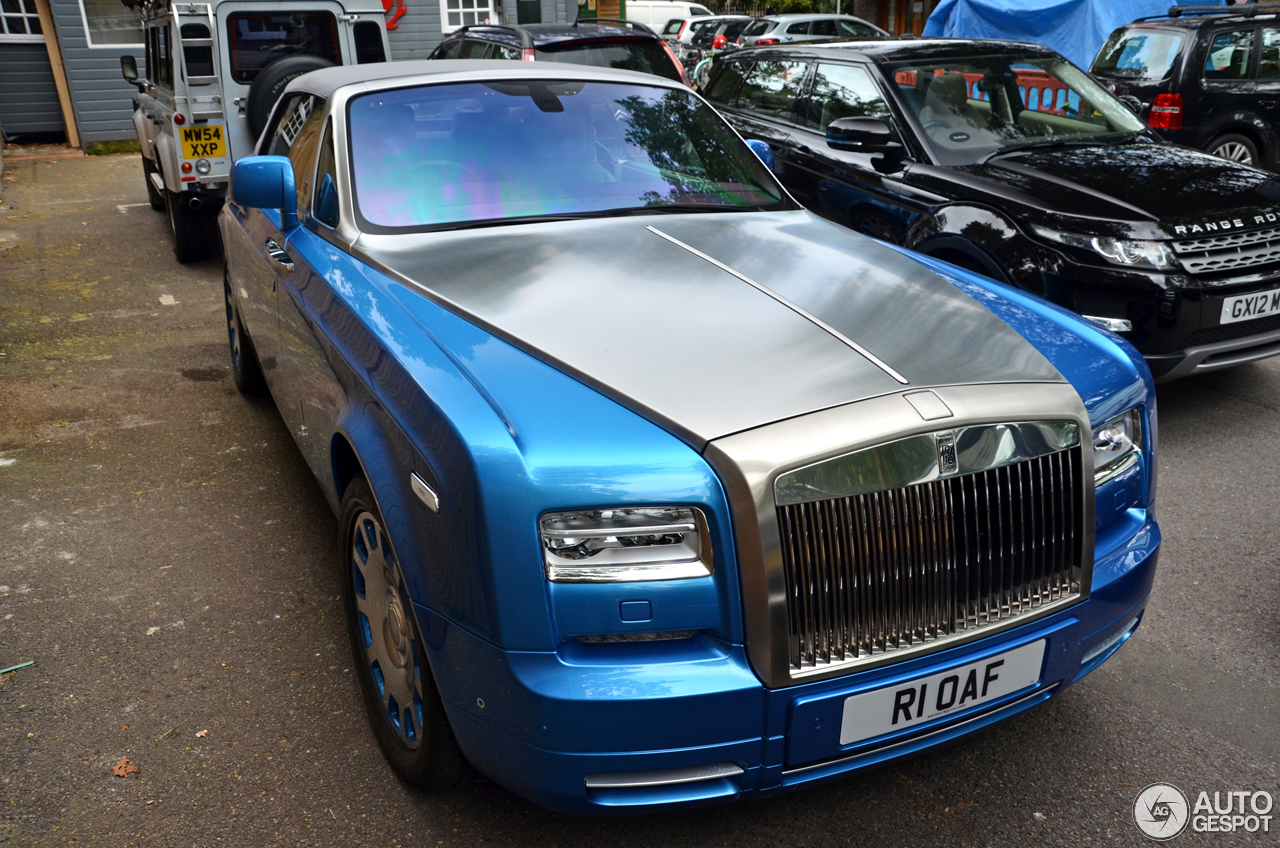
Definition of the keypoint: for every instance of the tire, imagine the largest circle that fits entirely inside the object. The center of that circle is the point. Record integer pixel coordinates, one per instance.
(1235, 148)
(195, 236)
(389, 655)
(154, 197)
(270, 83)
(245, 367)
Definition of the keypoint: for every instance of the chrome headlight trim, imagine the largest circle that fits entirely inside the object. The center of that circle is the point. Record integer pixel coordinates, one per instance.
(625, 544)
(1132, 253)
(1117, 444)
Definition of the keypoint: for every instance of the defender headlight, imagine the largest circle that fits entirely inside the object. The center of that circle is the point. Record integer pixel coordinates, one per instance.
(625, 545)
(203, 166)
(1130, 252)
(1116, 445)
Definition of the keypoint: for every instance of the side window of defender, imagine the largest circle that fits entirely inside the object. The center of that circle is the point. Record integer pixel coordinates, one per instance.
(164, 58)
(326, 208)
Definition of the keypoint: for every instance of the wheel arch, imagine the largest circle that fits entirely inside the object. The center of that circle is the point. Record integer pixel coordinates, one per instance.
(1262, 140)
(965, 253)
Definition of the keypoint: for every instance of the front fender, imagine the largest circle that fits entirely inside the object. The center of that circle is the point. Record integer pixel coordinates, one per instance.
(977, 232)
(166, 159)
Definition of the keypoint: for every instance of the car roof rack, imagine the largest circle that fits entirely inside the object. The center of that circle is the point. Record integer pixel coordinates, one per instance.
(1248, 10)
(526, 40)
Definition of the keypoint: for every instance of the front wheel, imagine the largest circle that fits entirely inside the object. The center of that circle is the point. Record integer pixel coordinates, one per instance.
(1236, 148)
(399, 691)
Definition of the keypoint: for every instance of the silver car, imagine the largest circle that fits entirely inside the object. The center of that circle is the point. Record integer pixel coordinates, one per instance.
(793, 29)
(683, 30)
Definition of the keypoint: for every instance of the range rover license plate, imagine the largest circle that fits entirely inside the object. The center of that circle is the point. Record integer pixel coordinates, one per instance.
(1246, 307)
(204, 142)
(915, 702)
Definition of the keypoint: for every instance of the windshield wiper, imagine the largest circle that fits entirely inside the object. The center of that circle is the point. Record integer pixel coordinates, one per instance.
(1046, 144)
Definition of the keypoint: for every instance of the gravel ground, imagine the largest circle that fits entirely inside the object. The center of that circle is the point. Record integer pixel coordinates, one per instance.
(169, 566)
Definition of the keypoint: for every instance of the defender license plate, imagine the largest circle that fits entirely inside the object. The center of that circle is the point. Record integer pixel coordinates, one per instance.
(918, 701)
(204, 142)
(1246, 307)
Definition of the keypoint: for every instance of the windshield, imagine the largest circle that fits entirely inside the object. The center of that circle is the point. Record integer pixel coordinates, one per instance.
(970, 110)
(645, 55)
(443, 155)
(1140, 53)
(758, 28)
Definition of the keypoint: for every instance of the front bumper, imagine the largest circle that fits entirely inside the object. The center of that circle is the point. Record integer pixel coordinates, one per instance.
(617, 728)
(1176, 319)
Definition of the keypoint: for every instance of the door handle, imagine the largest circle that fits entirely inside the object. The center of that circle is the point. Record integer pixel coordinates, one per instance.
(279, 255)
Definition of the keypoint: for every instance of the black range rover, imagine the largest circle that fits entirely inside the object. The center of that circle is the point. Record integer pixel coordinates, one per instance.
(1008, 160)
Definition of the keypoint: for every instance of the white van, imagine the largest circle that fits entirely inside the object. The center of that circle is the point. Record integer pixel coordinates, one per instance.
(655, 13)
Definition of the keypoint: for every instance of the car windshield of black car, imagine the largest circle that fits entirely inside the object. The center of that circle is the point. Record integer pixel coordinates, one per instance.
(441, 156)
(1140, 53)
(972, 109)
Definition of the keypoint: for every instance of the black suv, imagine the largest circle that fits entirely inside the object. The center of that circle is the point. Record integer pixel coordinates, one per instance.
(601, 42)
(1206, 77)
(1008, 160)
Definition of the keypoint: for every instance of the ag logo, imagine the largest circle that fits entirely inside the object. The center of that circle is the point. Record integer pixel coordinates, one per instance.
(1160, 811)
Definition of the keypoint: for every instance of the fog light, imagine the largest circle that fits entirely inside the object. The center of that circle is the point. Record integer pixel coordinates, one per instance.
(186, 167)
(203, 166)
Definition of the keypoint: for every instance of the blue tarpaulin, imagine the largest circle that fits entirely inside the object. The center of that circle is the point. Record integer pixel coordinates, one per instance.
(1075, 28)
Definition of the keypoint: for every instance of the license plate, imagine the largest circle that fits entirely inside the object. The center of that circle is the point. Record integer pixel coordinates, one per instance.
(1246, 307)
(204, 142)
(915, 702)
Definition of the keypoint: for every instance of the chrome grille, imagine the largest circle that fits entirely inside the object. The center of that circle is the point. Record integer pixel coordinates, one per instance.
(874, 573)
(1229, 252)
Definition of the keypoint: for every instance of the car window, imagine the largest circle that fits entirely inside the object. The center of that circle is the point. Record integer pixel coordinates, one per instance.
(1229, 56)
(726, 77)
(368, 38)
(673, 26)
(757, 28)
(255, 39)
(699, 11)
(823, 27)
(198, 57)
(1148, 54)
(843, 91)
(302, 153)
(287, 122)
(979, 107)
(798, 28)
(439, 155)
(854, 29)
(473, 48)
(504, 51)
(164, 58)
(447, 50)
(646, 55)
(772, 87)
(1269, 66)
(326, 208)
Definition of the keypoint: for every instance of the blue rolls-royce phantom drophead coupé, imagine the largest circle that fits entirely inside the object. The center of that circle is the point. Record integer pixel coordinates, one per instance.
(656, 489)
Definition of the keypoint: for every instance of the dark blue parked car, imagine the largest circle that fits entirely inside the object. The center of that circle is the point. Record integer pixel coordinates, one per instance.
(656, 489)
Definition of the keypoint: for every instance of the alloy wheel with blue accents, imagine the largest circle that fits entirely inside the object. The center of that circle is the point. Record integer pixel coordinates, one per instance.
(391, 652)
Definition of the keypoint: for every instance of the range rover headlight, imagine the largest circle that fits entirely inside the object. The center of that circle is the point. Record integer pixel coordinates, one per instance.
(1116, 446)
(625, 545)
(1129, 252)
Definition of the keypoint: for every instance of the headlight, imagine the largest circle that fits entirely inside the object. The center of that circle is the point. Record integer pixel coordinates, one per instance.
(1116, 445)
(1130, 252)
(625, 545)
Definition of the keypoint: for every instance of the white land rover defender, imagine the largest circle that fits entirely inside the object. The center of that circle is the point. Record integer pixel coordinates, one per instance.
(213, 73)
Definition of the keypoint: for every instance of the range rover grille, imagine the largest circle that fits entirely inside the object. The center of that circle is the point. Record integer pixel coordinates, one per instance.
(1229, 252)
(874, 573)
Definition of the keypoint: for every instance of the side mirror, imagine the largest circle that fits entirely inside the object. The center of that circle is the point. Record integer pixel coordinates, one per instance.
(763, 150)
(861, 135)
(266, 182)
(129, 68)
